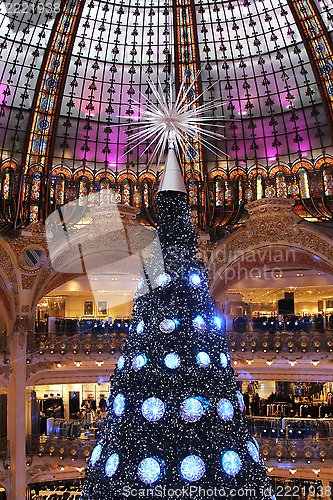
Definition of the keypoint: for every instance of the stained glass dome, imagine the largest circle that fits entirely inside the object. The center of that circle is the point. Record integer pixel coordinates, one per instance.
(69, 76)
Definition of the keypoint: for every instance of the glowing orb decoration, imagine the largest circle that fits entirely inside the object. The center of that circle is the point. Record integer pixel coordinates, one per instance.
(140, 327)
(195, 280)
(149, 470)
(199, 323)
(192, 468)
(139, 362)
(172, 361)
(163, 279)
(203, 359)
(224, 360)
(231, 463)
(121, 362)
(112, 464)
(218, 322)
(240, 400)
(153, 409)
(225, 410)
(191, 409)
(167, 326)
(253, 451)
(119, 405)
(96, 453)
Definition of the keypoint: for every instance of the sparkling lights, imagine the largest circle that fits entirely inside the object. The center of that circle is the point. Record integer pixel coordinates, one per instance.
(225, 409)
(223, 360)
(231, 463)
(167, 326)
(163, 279)
(172, 360)
(96, 453)
(192, 468)
(191, 409)
(112, 464)
(119, 405)
(153, 409)
(149, 470)
(253, 451)
(203, 359)
(139, 362)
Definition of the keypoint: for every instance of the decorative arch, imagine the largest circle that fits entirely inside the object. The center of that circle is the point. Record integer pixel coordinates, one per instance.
(9, 163)
(65, 171)
(279, 168)
(255, 171)
(238, 172)
(128, 176)
(105, 175)
(301, 164)
(271, 235)
(218, 173)
(84, 173)
(320, 162)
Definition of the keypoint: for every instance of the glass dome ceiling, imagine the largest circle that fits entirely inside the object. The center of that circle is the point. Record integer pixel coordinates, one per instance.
(72, 73)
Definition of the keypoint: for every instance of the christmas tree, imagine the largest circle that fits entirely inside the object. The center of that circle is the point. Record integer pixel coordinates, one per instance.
(175, 423)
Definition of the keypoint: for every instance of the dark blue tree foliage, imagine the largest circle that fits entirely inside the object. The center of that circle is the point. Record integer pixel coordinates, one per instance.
(175, 414)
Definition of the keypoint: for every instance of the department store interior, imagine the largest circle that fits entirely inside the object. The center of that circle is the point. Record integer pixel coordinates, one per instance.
(78, 185)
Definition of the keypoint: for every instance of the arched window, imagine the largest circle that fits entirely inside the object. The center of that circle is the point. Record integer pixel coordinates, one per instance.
(193, 191)
(60, 189)
(328, 181)
(137, 196)
(248, 192)
(281, 185)
(228, 195)
(259, 187)
(146, 193)
(83, 190)
(6, 184)
(303, 183)
(126, 199)
(219, 198)
(240, 189)
(36, 185)
(105, 193)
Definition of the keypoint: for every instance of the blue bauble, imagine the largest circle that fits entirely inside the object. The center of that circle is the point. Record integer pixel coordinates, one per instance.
(223, 360)
(121, 362)
(195, 280)
(240, 400)
(253, 451)
(192, 468)
(153, 409)
(172, 360)
(163, 279)
(167, 326)
(139, 362)
(231, 463)
(191, 409)
(112, 464)
(199, 323)
(149, 470)
(225, 409)
(119, 405)
(140, 327)
(203, 359)
(95, 455)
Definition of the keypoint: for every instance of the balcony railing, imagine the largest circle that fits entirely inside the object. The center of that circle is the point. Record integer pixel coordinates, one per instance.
(78, 343)
(63, 343)
(281, 341)
(281, 449)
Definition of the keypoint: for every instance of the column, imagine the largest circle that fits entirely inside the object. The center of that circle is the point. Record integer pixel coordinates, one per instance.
(17, 410)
